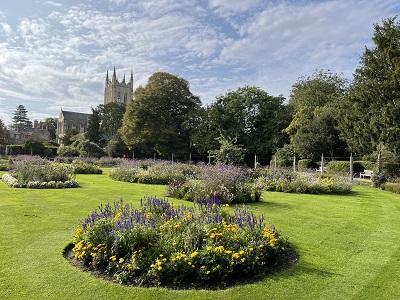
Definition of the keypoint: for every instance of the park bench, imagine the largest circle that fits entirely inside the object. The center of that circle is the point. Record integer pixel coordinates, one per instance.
(320, 169)
(366, 173)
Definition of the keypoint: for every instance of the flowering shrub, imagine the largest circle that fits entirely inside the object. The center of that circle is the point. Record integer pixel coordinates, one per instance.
(290, 182)
(159, 244)
(229, 183)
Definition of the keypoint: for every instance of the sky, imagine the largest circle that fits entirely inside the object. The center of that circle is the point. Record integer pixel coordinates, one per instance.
(55, 54)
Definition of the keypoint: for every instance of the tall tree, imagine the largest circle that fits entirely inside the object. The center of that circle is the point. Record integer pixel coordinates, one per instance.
(370, 112)
(253, 118)
(3, 131)
(313, 102)
(155, 119)
(51, 124)
(20, 118)
(111, 119)
(93, 133)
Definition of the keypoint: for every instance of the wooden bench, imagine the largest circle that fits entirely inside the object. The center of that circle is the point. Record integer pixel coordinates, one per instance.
(366, 173)
(320, 169)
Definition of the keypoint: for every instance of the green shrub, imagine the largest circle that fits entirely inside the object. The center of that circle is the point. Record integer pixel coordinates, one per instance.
(81, 167)
(67, 151)
(3, 167)
(158, 244)
(307, 164)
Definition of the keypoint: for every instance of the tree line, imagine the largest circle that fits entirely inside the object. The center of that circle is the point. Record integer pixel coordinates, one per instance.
(325, 114)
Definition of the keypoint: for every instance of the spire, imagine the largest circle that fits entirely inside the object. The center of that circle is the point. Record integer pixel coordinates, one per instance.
(107, 78)
(123, 80)
(114, 76)
(131, 76)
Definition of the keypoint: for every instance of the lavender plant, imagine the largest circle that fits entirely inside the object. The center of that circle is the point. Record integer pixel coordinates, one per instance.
(159, 244)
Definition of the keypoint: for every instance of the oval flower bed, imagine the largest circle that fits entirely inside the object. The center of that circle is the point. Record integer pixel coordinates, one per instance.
(37, 173)
(159, 244)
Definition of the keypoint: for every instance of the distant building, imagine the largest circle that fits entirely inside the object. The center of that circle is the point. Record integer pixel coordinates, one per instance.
(71, 120)
(116, 91)
(20, 133)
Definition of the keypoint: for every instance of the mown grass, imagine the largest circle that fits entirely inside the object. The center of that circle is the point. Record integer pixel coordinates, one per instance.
(348, 245)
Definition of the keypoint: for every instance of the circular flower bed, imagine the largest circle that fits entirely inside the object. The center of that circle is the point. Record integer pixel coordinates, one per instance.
(159, 244)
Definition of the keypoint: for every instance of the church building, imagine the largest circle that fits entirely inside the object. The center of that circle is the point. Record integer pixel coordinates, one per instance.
(114, 91)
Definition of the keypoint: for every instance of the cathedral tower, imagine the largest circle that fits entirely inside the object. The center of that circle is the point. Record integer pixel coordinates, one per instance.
(116, 91)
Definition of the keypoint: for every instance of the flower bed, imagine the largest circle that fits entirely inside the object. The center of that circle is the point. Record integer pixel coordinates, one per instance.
(35, 172)
(158, 244)
(231, 185)
(13, 182)
(290, 182)
(151, 171)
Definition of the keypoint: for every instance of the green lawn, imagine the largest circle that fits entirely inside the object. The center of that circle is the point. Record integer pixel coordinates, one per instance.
(349, 245)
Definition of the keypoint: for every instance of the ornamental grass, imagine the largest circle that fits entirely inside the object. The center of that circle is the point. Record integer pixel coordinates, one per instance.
(158, 244)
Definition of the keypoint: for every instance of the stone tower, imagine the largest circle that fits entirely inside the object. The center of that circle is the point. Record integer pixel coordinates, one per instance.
(116, 91)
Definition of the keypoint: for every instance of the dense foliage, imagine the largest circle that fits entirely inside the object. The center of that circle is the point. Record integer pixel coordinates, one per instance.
(369, 119)
(159, 244)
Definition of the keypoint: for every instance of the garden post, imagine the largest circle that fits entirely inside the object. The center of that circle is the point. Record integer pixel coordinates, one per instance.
(255, 160)
(275, 163)
(322, 164)
(294, 163)
(351, 166)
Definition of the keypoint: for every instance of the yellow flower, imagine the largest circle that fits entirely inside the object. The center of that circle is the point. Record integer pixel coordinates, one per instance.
(159, 268)
(113, 258)
(208, 272)
(194, 254)
(121, 260)
(203, 267)
(243, 259)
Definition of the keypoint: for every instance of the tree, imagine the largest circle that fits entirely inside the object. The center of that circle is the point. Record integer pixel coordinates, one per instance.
(252, 117)
(33, 146)
(313, 101)
(3, 131)
(370, 111)
(112, 115)
(93, 133)
(155, 119)
(69, 136)
(51, 124)
(20, 118)
(229, 152)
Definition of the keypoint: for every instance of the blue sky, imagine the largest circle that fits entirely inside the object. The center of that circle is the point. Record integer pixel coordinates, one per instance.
(56, 54)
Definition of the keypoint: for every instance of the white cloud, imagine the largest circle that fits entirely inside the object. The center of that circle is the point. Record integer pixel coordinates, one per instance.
(6, 28)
